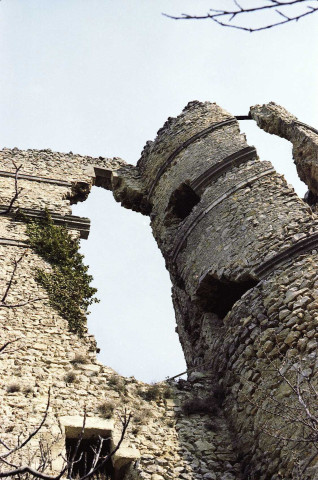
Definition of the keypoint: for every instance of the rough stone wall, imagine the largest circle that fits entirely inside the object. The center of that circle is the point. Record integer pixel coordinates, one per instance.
(277, 120)
(241, 249)
(162, 442)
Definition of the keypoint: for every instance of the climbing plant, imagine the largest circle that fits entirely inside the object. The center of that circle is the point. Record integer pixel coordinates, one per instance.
(68, 283)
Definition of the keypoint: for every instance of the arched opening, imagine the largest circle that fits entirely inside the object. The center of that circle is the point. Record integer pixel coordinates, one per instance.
(134, 324)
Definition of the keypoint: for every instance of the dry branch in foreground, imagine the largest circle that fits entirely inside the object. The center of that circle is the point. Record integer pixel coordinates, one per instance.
(273, 13)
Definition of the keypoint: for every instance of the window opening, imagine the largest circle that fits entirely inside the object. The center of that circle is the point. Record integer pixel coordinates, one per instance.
(218, 296)
(181, 203)
(86, 454)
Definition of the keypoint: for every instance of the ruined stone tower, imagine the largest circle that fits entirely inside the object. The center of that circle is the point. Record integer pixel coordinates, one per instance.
(240, 247)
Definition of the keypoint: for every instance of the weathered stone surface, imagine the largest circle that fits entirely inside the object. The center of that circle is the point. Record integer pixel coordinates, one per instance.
(47, 351)
(247, 335)
(277, 120)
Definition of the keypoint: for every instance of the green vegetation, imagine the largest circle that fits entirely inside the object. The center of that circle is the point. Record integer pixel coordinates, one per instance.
(68, 284)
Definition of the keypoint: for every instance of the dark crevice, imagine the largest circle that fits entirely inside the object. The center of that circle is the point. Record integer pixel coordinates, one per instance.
(180, 205)
(311, 198)
(219, 296)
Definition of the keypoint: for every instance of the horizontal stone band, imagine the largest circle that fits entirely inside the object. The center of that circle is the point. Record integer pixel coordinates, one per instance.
(194, 138)
(201, 215)
(303, 245)
(217, 170)
(33, 178)
(301, 124)
(13, 242)
(71, 222)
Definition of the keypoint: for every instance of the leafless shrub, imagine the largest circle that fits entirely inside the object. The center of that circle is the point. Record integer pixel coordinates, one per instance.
(80, 359)
(290, 406)
(167, 392)
(142, 416)
(106, 409)
(154, 392)
(135, 430)
(13, 388)
(28, 390)
(70, 377)
(206, 405)
(12, 469)
(117, 383)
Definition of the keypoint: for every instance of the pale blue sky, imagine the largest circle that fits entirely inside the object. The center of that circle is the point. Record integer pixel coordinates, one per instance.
(100, 77)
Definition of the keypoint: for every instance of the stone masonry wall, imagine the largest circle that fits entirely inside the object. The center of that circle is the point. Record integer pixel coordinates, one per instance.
(277, 120)
(241, 249)
(162, 443)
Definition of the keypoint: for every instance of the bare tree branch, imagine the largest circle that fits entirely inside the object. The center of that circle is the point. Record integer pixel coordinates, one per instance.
(98, 462)
(125, 420)
(294, 420)
(32, 434)
(22, 304)
(3, 302)
(5, 345)
(17, 190)
(15, 266)
(280, 8)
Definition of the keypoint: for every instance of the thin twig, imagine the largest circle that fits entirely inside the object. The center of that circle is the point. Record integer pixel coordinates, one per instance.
(3, 303)
(22, 304)
(15, 266)
(224, 17)
(17, 191)
(32, 434)
(4, 346)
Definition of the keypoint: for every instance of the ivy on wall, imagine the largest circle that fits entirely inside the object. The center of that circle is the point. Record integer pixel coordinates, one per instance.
(68, 284)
